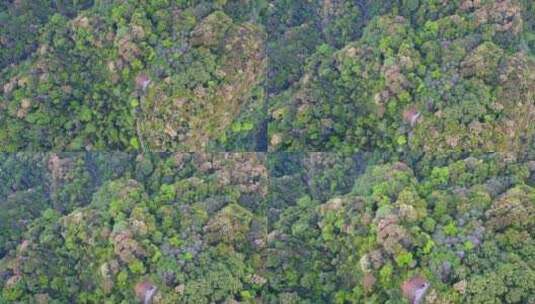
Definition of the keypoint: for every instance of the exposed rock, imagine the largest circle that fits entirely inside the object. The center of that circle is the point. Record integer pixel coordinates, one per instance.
(142, 82)
(414, 289)
(145, 291)
(368, 282)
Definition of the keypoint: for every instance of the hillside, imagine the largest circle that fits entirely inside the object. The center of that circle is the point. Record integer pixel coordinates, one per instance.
(158, 75)
(427, 79)
(267, 151)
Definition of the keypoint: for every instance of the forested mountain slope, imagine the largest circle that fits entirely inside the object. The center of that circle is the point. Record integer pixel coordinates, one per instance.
(466, 229)
(267, 151)
(137, 75)
(21, 22)
(428, 77)
(240, 228)
(89, 228)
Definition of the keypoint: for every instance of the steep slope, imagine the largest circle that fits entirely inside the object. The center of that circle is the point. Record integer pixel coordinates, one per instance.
(22, 20)
(466, 228)
(459, 80)
(81, 90)
(190, 225)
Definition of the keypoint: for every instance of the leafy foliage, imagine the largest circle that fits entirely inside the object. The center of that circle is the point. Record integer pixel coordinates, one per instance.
(198, 232)
(462, 227)
(425, 78)
(82, 88)
(401, 147)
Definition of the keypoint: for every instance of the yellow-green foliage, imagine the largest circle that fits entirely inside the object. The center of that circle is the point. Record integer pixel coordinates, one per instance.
(196, 243)
(426, 78)
(75, 89)
(451, 224)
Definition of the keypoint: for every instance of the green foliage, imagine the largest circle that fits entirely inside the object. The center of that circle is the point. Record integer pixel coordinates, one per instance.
(421, 78)
(21, 22)
(74, 85)
(428, 104)
(363, 244)
(404, 259)
(195, 225)
(196, 233)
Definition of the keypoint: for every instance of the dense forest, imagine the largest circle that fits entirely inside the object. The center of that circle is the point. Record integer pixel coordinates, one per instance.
(402, 76)
(257, 228)
(239, 75)
(267, 151)
(354, 229)
(132, 75)
(88, 227)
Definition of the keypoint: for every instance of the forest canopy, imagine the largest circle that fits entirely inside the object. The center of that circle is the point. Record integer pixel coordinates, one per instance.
(426, 77)
(267, 151)
(466, 227)
(133, 75)
(255, 228)
(191, 224)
